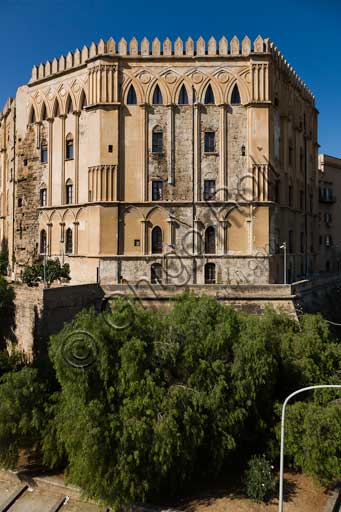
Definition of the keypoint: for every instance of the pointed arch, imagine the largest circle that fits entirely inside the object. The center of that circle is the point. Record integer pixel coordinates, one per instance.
(157, 240)
(235, 95)
(183, 96)
(68, 241)
(56, 110)
(32, 115)
(43, 112)
(131, 96)
(83, 102)
(163, 86)
(69, 105)
(209, 98)
(157, 96)
(210, 240)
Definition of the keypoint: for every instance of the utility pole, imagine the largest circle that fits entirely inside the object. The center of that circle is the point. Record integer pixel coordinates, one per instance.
(281, 471)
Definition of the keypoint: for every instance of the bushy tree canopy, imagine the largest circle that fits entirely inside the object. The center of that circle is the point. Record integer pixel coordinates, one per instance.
(149, 401)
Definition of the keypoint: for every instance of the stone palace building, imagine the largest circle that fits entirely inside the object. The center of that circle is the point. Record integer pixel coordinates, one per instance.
(185, 162)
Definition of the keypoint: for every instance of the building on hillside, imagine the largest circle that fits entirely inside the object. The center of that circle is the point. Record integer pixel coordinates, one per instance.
(172, 163)
(329, 214)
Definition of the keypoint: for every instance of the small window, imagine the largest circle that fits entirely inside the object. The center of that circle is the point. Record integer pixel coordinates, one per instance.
(210, 245)
(157, 140)
(110, 148)
(20, 203)
(290, 155)
(131, 98)
(209, 190)
(137, 243)
(69, 106)
(328, 218)
(157, 190)
(290, 195)
(68, 241)
(156, 273)
(302, 242)
(209, 96)
(69, 148)
(157, 240)
(301, 199)
(235, 97)
(43, 197)
(69, 192)
(209, 142)
(43, 153)
(210, 277)
(157, 96)
(183, 96)
(43, 242)
(243, 150)
(25, 162)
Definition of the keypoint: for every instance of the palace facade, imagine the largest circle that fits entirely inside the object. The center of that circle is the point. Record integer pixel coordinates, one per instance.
(171, 163)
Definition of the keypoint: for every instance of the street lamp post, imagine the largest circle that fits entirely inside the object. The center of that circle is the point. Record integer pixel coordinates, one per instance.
(284, 247)
(281, 471)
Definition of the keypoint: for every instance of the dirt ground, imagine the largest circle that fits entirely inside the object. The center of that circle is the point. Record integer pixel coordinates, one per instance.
(302, 494)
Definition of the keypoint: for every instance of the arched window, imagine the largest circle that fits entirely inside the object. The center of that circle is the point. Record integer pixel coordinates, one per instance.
(157, 140)
(68, 241)
(43, 196)
(43, 241)
(131, 98)
(43, 112)
(32, 116)
(56, 109)
(43, 152)
(156, 273)
(209, 96)
(235, 97)
(210, 240)
(69, 147)
(156, 240)
(69, 105)
(83, 102)
(183, 96)
(157, 96)
(210, 273)
(69, 192)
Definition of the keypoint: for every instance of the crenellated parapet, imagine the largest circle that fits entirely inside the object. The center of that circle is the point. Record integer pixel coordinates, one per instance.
(290, 73)
(156, 48)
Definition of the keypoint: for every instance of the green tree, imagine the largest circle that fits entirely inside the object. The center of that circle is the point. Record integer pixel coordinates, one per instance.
(34, 273)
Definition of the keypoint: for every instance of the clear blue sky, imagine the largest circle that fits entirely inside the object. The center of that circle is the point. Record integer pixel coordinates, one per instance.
(307, 32)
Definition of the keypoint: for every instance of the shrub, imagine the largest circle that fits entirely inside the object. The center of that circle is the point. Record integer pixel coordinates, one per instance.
(53, 271)
(260, 480)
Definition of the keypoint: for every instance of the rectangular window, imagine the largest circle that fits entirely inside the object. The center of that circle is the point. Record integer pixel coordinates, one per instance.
(69, 194)
(301, 200)
(110, 148)
(69, 150)
(43, 197)
(290, 195)
(43, 156)
(157, 190)
(302, 241)
(290, 155)
(209, 142)
(209, 190)
(137, 243)
(157, 142)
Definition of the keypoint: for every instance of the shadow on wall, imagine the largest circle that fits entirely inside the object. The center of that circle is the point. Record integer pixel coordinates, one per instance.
(59, 306)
